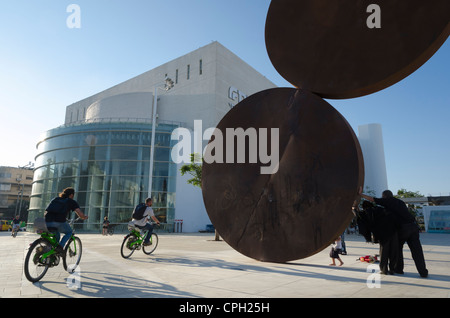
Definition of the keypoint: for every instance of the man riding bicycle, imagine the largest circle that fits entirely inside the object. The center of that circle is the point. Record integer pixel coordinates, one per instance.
(56, 215)
(142, 222)
(15, 224)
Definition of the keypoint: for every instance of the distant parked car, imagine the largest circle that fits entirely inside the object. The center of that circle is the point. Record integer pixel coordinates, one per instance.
(5, 225)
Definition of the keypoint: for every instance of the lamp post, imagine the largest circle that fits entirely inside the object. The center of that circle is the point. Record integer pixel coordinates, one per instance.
(21, 186)
(168, 84)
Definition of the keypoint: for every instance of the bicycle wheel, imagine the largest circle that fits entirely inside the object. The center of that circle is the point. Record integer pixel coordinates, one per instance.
(126, 250)
(72, 255)
(154, 243)
(35, 267)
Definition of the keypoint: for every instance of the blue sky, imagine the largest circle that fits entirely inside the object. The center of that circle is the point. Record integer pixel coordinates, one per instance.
(45, 66)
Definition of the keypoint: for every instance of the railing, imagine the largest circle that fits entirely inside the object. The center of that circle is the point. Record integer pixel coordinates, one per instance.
(123, 228)
(122, 120)
(87, 227)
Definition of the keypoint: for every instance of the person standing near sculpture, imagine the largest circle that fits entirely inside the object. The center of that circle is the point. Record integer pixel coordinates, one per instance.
(408, 230)
(379, 225)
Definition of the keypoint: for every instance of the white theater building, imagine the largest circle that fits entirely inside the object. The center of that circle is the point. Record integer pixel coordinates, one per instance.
(103, 149)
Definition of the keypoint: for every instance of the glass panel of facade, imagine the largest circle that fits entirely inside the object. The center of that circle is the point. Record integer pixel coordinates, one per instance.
(108, 165)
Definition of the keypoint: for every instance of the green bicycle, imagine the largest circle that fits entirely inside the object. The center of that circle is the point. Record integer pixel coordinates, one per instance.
(42, 253)
(134, 241)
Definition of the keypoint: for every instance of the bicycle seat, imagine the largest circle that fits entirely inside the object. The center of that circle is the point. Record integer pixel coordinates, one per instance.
(40, 226)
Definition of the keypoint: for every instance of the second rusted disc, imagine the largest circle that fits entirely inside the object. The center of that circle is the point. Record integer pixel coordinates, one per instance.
(306, 203)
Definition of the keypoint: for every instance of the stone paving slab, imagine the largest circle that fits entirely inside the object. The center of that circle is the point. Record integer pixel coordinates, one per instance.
(195, 266)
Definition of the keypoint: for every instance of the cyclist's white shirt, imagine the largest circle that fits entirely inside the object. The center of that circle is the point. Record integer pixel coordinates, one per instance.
(147, 214)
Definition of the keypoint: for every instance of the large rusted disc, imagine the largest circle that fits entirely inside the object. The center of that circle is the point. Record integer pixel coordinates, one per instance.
(336, 50)
(299, 210)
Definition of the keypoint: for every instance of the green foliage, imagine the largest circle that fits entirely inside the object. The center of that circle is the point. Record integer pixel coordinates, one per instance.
(403, 193)
(415, 210)
(194, 169)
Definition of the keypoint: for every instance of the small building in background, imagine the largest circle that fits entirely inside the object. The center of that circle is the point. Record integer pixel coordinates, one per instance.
(15, 191)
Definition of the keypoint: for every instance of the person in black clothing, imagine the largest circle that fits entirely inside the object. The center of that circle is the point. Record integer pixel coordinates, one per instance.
(408, 230)
(15, 224)
(379, 226)
(58, 219)
(105, 225)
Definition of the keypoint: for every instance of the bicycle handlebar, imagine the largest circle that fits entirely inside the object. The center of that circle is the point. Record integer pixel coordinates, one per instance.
(72, 221)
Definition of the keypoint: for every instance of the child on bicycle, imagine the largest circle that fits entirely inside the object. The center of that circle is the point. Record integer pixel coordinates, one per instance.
(143, 224)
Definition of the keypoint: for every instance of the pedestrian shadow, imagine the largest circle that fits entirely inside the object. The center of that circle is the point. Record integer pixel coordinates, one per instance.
(339, 268)
(109, 285)
(424, 282)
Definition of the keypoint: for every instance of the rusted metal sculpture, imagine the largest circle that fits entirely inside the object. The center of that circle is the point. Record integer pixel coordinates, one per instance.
(350, 48)
(301, 208)
(325, 48)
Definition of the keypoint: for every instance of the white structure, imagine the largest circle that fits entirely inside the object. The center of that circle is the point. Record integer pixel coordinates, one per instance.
(371, 141)
(437, 218)
(208, 82)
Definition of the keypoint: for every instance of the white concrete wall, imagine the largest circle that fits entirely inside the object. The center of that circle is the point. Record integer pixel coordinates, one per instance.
(189, 205)
(130, 105)
(371, 141)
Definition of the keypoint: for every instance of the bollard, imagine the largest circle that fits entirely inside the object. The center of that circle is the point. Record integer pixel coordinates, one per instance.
(178, 226)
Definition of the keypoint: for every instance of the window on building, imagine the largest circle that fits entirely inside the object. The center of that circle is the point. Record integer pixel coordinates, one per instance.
(5, 187)
(201, 67)
(176, 77)
(188, 71)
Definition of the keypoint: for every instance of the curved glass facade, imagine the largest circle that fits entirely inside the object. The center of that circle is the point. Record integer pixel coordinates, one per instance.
(108, 166)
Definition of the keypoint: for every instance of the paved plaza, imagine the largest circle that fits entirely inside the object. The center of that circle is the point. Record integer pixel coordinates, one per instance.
(196, 266)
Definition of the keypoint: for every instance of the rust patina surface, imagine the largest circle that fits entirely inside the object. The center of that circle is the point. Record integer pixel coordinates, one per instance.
(329, 48)
(306, 204)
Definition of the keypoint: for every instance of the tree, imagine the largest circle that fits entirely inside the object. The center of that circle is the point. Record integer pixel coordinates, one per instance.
(195, 170)
(403, 193)
(415, 210)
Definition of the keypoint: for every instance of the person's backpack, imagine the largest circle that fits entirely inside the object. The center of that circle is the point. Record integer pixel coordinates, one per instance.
(138, 213)
(58, 205)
